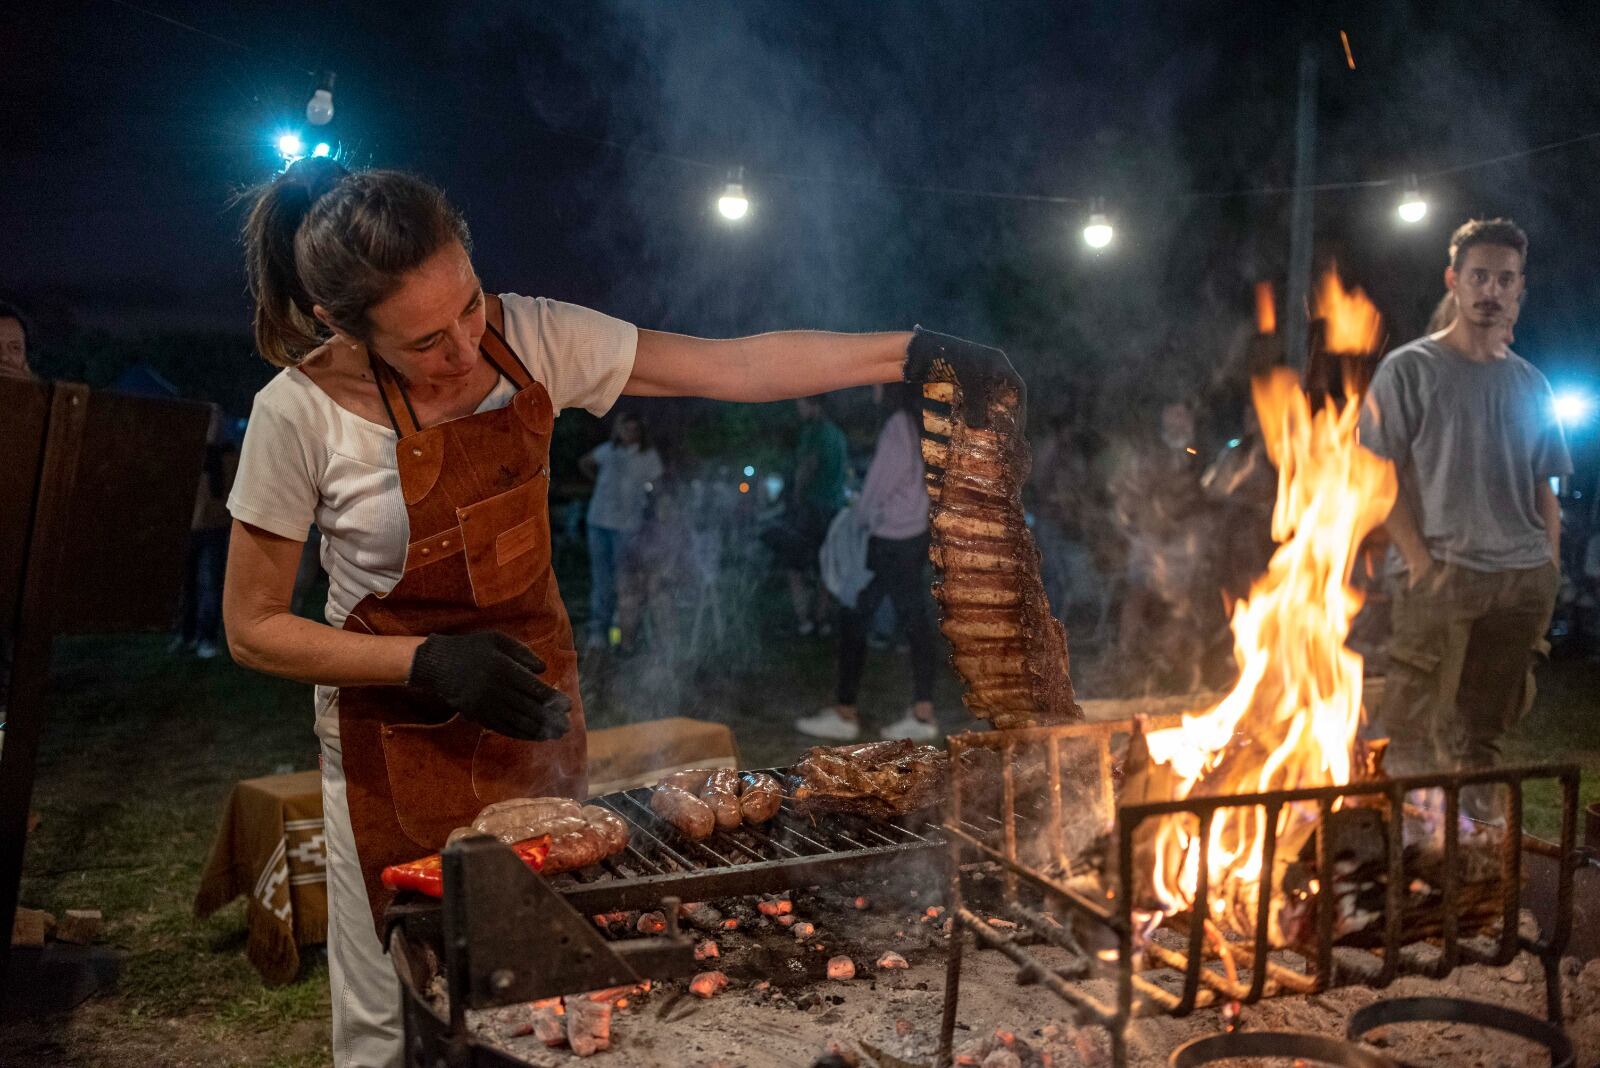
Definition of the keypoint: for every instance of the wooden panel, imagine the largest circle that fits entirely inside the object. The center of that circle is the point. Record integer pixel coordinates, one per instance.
(128, 533)
(23, 406)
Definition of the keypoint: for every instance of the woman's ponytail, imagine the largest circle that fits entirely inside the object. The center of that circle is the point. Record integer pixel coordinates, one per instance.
(319, 235)
(285, 327)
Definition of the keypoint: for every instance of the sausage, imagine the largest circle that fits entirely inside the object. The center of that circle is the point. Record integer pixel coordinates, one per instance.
(609, 825)
(759, 797)
(574, 843)
(523, 817)
(693, 780)
(689, 815)
(721, 792)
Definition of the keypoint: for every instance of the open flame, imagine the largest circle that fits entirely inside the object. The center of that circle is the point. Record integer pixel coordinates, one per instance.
(1291, 719)
(1266, 309)
(1352, 325)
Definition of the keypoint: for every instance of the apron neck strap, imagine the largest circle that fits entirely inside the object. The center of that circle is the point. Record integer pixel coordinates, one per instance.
(396, 401)
(496, 349)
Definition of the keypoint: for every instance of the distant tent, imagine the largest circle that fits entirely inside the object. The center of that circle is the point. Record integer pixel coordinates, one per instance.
(145, 381)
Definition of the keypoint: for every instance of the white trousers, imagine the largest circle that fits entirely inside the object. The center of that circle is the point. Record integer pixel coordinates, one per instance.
(361, 979)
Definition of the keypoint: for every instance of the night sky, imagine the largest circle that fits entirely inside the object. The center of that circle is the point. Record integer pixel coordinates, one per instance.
(586, 143)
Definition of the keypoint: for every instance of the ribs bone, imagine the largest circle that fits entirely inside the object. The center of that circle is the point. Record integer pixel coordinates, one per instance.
(1008, 648)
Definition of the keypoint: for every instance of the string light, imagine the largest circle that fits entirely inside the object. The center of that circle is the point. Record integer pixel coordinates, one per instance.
(323, 149)
(290, 147)
(319, 109)
(1412, 207)
(733, 204)
(1097, 233)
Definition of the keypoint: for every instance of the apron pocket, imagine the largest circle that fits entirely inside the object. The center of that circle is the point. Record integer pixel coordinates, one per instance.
(505, 767)
(506, 539)
(429, 766)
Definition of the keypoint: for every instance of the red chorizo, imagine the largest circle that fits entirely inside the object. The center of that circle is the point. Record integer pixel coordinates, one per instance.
(721, 792)
(759, 797)
(689, 815)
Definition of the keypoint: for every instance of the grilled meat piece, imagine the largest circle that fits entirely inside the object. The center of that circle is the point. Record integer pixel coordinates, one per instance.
(688, 815)
(523, 817)
(759, 797)
(1007, 647)
(610, 825)
(879, 780)
(721, 792)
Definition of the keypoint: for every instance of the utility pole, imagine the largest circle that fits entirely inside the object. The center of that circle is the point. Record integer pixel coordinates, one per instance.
(1295, 310)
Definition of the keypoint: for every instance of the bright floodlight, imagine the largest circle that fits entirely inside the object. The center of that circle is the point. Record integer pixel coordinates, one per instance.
(322, 149)
(733, 204)
(1098, 233)
(1573, 407)
(290, 146)
(1412, 208)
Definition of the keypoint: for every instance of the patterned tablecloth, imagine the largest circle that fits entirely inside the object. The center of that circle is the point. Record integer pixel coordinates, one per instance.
(271, 848)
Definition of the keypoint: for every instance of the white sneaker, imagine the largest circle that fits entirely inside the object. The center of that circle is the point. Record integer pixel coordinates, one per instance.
(830, 725)
(909, 726)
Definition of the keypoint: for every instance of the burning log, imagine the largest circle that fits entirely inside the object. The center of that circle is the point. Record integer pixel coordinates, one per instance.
(708, 984)
(841, 968)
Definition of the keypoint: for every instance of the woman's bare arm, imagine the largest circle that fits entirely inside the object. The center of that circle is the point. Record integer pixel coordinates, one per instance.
(765, 367)
(265, 635)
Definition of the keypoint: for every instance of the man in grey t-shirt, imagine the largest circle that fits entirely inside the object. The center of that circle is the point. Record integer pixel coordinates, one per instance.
(1472, 431)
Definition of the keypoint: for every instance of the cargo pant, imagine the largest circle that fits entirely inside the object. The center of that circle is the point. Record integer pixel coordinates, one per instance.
(1460, 669)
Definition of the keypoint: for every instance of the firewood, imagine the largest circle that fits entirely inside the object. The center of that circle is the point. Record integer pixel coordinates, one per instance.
(79, 926)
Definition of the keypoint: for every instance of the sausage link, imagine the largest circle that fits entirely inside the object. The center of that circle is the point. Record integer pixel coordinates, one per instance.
(693, 780)
(610, 826)
(574, 847)
(721, 792)
(759, 797)
(689, 815)
(523, 817)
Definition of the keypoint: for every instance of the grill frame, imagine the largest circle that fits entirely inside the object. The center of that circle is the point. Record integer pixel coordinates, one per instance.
(1203, 986)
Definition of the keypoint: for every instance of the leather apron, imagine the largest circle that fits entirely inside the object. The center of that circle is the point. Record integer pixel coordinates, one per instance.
(478, 558)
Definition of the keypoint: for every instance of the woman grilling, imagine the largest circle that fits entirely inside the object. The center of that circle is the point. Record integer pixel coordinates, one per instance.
(412, 424)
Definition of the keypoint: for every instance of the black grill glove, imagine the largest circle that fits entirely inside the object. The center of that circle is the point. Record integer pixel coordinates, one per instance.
(491, 679)
(979, 370)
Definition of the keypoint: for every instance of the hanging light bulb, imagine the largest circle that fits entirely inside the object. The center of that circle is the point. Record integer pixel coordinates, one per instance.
(322, 149)
(1412, 207)
(290, 147)
(319, 109)
(1097, 233)
(733, 204)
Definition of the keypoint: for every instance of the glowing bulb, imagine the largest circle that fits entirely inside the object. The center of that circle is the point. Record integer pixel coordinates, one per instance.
(749, 472)
(322, 149)
(733, 204)
(1412, 207)
(744, 487)
(319, 109)
(1098, 233)
(1573, 407)
(290, 146)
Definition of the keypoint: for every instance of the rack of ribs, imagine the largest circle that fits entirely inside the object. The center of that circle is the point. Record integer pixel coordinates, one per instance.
(1009, 649)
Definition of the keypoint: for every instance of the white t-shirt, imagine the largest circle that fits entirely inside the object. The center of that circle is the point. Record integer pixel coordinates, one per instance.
(307, 460)
(623, 479)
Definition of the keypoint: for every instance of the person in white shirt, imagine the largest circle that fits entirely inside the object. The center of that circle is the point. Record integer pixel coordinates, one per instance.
(894, 507)
(412, 423)
(625, 471)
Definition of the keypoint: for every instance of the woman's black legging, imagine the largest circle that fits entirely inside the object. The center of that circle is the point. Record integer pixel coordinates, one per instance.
(899, 567)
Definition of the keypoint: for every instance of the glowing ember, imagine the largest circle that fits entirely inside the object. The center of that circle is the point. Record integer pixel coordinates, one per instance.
(1266, 309)
(1291, 719)
(1352, 324)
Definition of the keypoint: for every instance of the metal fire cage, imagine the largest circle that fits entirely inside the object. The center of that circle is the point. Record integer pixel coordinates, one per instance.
(502, 934)
(1111, 915)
